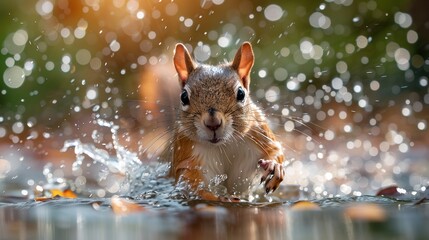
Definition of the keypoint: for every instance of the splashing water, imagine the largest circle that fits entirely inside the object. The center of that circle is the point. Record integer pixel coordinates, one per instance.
(141, 180)
(124, 161)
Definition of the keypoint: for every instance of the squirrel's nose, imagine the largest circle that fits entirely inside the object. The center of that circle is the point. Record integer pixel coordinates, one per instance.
(213, 123)
(213, 119)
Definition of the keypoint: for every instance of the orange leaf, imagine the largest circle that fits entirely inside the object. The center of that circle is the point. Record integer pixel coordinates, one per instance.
(305, 205)
(122, 206)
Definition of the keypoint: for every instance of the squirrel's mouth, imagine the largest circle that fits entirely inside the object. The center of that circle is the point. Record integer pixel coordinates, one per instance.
(215, 140)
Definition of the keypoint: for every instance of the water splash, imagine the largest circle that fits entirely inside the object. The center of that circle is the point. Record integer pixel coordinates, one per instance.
(123, 162)
(138, 180)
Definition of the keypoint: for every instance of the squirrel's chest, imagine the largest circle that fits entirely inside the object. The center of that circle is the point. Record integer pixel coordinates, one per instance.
(237, 160)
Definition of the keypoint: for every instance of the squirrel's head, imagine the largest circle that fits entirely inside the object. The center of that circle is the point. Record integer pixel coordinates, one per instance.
(215, 100)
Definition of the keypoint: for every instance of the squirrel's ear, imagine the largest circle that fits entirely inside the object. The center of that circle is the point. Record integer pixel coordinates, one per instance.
(183, 63)
(243, 63)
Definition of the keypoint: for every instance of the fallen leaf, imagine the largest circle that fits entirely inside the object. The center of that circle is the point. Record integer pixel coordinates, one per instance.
(122, 206)
(65, 194)
(305, 205)
(390, 191)
(366, 211)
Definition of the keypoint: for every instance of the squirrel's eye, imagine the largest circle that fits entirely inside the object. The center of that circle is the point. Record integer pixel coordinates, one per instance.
(240, 94)
(184, 98)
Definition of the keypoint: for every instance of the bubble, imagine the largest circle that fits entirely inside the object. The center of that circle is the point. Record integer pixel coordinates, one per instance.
(80, 32)
(171, 9)
(285, 52)
(91, 94)
(403, 147)
(421, 125)
(83, 56)
(202, 53)
(298, 101)
(285, 112)
(217, 2)
(142, 60)
(346, 189)
(348, 128)
(361, 41)
(44, 7)
(95, 63)
(188, 22)
(341, 67)
(350, 48)
(321, 115)
(342, 115)
(347, 97)
(293, 84)
(357, 88)
(28, 66)
(2, 132)
(140, 15)
(403, 19)
(374, 85)
(65, 67)
(114, 46)
(151, 35)
(362, 103)
(364, 60)
(14, 77)
(309, 100)
(224, 41)
(20, 37)
(289, 126)
(406, 111)
(273, 12)
(10, 62)
(329, 135)
(337, 83)
(65, 32)
(66, 59)
(262, 73)
(18, 127)
(306, 47)
(412, 36)
(402, 56)
(49, 66)
(272, 94)
(397, 138)
(132, 5)
(318, 20)
(280, 74)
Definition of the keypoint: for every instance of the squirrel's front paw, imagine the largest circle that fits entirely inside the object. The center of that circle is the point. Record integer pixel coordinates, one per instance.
(273, 174)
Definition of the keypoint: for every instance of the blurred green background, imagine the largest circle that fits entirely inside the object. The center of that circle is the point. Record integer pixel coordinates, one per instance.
(65, 63)
(351, 74)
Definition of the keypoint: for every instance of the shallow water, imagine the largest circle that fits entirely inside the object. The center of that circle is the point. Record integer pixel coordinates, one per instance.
(170, 213)
(344, 85)
(92, 219)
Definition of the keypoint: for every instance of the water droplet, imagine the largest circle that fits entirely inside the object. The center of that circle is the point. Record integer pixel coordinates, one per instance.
(273, 12)
(14, 77)
(83, 56)
(114, 46)
(20, 37)
(140, 14)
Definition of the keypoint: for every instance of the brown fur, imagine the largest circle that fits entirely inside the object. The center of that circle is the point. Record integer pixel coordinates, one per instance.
(215, 87)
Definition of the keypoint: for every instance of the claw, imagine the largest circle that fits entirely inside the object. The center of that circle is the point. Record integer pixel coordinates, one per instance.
(273, 174)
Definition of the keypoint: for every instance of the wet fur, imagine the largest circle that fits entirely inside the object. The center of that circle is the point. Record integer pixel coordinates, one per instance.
(246, 135)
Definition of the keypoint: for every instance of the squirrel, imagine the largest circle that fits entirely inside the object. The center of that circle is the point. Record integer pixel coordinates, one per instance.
(220, 131)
